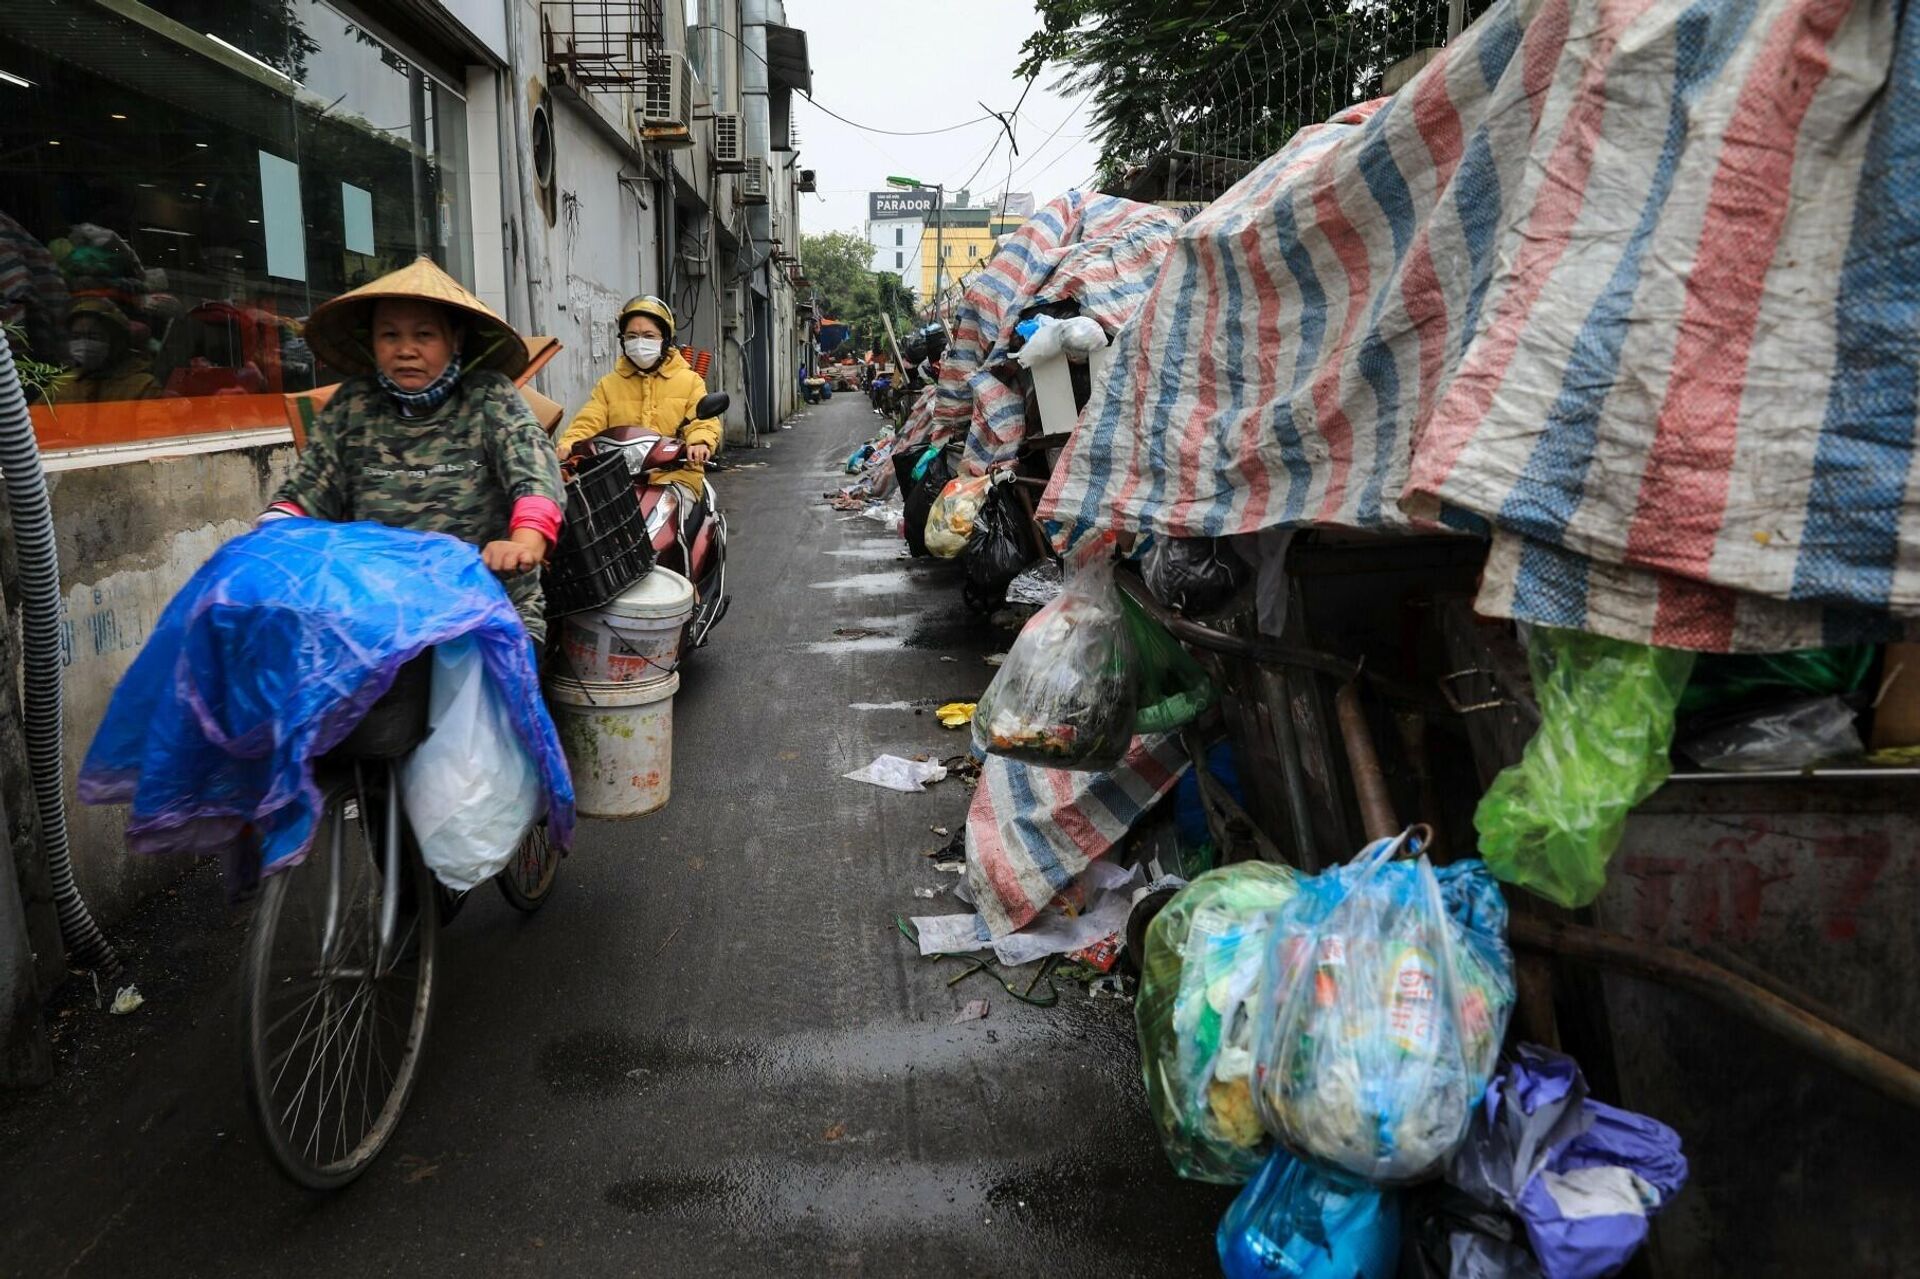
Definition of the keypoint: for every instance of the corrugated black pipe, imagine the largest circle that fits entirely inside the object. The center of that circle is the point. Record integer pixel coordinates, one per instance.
(39, 562)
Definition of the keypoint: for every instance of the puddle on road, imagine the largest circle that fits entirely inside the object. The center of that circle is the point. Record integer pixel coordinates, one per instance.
(868, 644)
(867, 584)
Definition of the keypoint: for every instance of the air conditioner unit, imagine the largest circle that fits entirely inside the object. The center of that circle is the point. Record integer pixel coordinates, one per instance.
(753, 183)
(666, 103)
(729, 143)
(809, 182)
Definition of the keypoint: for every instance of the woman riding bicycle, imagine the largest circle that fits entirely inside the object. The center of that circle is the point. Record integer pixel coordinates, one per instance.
(653, 388)
(429, 432)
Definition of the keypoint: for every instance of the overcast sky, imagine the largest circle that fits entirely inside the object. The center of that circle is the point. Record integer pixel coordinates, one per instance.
(923, 68)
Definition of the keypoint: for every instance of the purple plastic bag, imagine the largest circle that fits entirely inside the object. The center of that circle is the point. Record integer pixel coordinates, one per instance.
(1584, 1177)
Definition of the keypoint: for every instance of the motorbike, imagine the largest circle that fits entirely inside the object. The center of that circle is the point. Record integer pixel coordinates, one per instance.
(689, 536)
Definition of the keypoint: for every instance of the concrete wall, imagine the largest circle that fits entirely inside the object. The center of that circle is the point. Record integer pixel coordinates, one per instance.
(130, 535)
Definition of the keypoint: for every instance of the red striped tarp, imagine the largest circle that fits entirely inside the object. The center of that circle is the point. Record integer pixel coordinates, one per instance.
(1634, 285)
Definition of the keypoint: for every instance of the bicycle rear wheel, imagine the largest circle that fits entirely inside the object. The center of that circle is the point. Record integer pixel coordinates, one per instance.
(334, 1023)
(527, 880)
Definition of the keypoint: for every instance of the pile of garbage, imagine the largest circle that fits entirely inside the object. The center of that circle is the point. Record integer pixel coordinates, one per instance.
(1333, 1042)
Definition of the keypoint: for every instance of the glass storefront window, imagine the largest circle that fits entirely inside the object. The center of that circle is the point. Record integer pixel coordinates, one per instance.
(184, 181)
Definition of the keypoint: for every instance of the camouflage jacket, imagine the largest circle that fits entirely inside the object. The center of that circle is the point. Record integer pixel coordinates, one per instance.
(456, 470)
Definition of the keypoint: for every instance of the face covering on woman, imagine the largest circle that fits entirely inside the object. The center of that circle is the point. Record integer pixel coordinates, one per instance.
(644, 352)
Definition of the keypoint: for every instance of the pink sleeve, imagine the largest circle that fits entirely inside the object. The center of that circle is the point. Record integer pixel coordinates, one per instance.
(281, 511)
(541, 514)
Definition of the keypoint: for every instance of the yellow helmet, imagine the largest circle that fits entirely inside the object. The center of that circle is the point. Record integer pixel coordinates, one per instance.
(651, 307)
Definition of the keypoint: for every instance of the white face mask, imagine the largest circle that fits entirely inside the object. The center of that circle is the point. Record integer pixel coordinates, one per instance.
(642, 351)
(88, 353)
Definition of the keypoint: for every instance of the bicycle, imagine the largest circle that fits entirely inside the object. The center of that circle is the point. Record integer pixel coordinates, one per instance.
(338, 984)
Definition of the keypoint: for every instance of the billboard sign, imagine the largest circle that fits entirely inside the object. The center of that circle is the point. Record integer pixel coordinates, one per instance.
(917, 203)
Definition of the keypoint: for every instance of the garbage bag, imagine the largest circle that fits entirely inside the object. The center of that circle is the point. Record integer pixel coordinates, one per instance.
(1727, 679)
(1550, 822)
(950, 519)
(1450, 1235)
(1037, 587)
(1583, 1177)
(471, 790)
(1385, 996)
(928, 475)
(1064, 697)
(1295, 1221)
(1798, 734)
(1204, 955)
(268, 657)
(1000, 546)
(1194, 574)
(1173, 688)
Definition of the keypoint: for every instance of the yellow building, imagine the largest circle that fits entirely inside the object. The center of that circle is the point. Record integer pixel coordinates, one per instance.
(966, 239)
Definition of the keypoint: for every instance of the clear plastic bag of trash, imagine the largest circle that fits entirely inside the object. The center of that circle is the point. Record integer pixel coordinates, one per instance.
(1797, 734)
(1300, 1222)
(1065, 698)
(1204, 957)
(895, 773)
(1385, 996)
(1037, 586)
(471, 790)
(951, 519)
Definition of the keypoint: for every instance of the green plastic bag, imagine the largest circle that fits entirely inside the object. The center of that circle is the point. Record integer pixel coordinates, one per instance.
(1172, 688)
(1205, 953)
(1727, 679)
(1550, 822)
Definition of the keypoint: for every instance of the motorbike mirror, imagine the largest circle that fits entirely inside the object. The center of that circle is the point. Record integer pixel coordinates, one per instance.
(712, 405)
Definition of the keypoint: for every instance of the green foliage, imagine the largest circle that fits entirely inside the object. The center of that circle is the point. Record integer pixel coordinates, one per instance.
(839, 265)
(1233, 79)
(37, 376)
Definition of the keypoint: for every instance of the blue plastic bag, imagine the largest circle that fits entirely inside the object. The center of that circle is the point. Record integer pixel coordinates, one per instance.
(1296, 1221)
(1583, 1177)
(268, 657)
(1387, 990)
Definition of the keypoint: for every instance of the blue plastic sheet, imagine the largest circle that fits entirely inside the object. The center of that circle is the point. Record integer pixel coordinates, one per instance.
(268, 657)
(1294, 1221)
(1584, 1177)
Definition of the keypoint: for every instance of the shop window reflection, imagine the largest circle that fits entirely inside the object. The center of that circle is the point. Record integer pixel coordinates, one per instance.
(186, 181)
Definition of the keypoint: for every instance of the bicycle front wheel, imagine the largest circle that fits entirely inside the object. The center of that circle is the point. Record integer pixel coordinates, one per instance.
(334, 1021)
(527, 880)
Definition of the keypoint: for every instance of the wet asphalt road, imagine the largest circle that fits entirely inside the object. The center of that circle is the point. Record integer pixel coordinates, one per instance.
(711, 1054)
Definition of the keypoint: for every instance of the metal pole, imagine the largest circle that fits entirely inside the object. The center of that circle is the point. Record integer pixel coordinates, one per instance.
(939, 258)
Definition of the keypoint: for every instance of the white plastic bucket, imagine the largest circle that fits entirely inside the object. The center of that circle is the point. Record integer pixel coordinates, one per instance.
(633, 639)
(619, 743)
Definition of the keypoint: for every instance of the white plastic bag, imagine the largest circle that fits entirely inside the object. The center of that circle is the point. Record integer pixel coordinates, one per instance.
(895, 773)
(471, 790)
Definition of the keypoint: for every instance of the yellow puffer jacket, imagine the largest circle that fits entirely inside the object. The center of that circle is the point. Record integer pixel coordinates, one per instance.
(656, 400)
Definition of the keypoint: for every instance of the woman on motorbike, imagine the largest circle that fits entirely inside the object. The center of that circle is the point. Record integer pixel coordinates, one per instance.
(653, 388)
(429, 431)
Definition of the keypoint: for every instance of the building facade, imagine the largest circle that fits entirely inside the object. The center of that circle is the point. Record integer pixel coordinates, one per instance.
(896, 222)
(963, 239)
(188, 179)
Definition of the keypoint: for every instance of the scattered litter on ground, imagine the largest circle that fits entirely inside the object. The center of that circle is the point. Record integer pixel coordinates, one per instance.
(1104, 897)
(949, 659)
(894, 773)
(974, 966)
(125, 1000)
(975, 1010)
(949, 868)
(1106, 986)
(926, 894)
(939, 830)
(956, 714)
(836, 1132)
(994, 659)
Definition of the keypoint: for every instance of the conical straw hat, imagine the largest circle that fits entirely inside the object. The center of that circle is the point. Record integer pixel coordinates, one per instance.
(338, 330)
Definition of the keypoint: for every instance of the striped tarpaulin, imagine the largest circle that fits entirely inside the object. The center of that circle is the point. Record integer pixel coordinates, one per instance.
(1633, 284)
(1097, 250)
(1031, 831)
